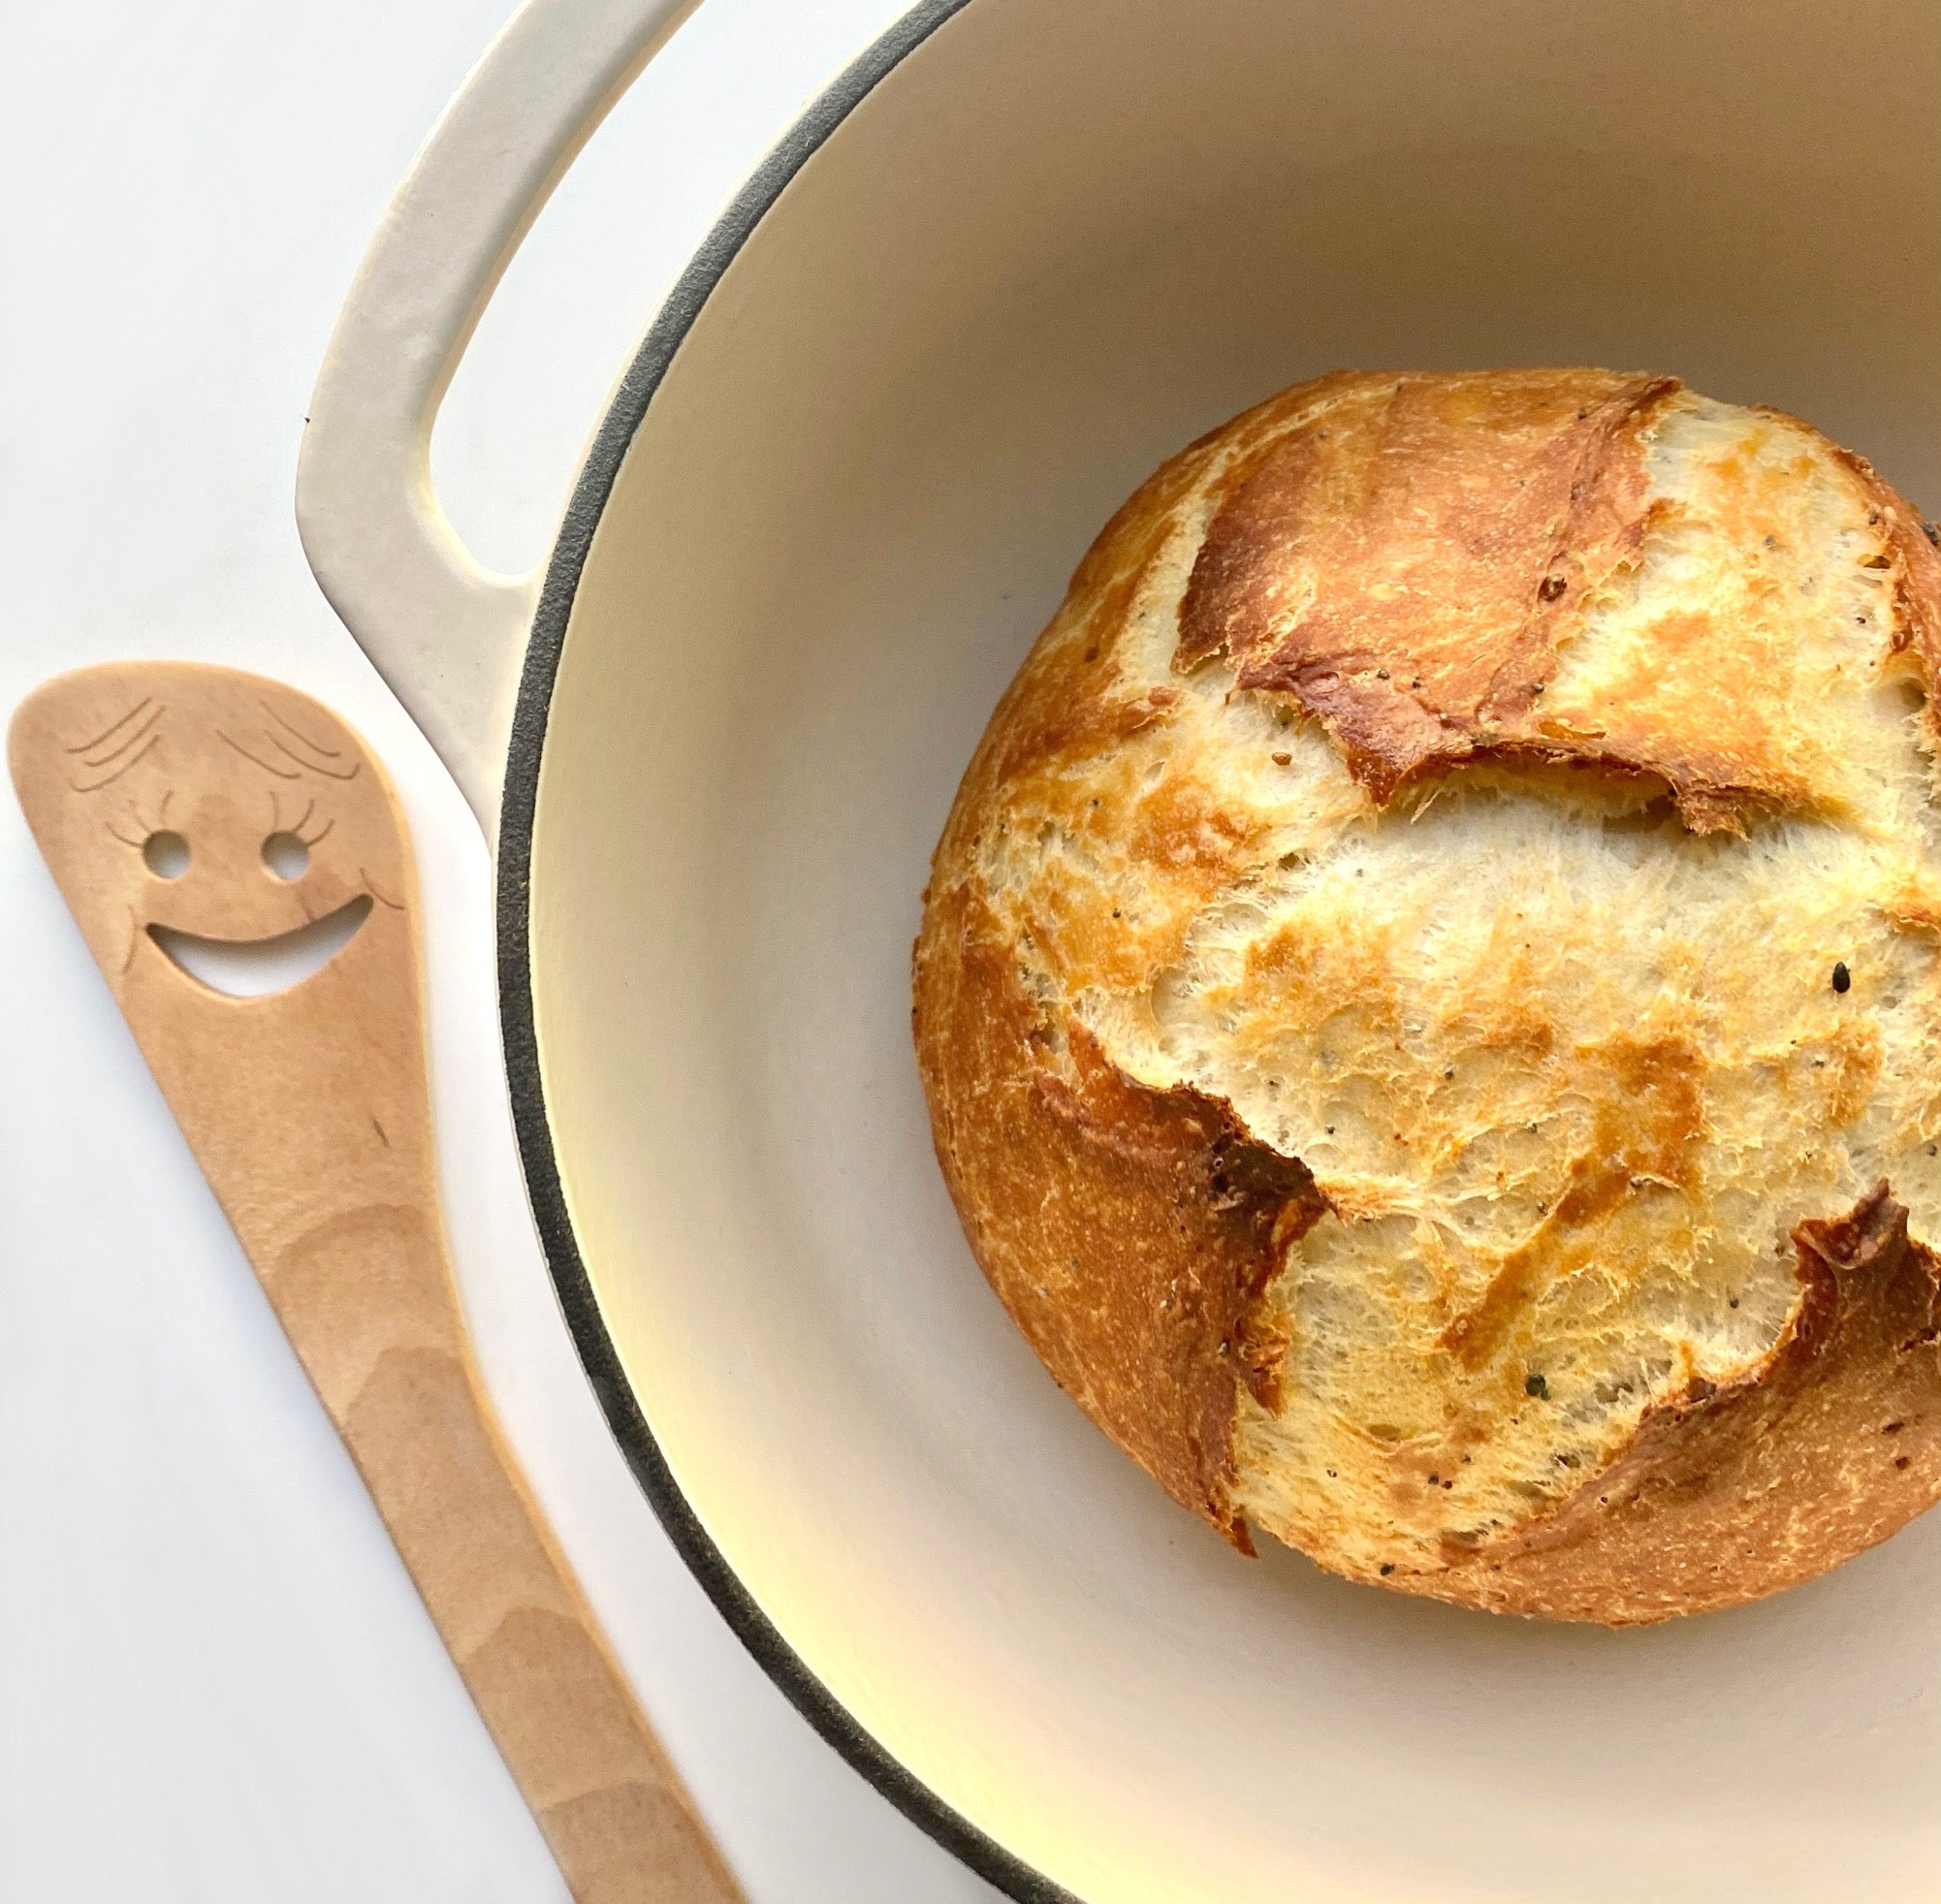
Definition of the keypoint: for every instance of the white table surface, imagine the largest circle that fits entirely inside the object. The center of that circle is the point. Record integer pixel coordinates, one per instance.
(215, 1680)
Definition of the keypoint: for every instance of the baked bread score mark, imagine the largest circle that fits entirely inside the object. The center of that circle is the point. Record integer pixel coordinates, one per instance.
(1409, 564)
(1728, 1493)
(1391, 1099)
(1130, 1232)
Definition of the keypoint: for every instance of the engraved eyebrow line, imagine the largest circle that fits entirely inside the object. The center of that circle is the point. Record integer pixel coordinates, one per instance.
(142, 752)
(125, 742)
(311, 766)
(315, 747)
(266, 766)
(88, 746)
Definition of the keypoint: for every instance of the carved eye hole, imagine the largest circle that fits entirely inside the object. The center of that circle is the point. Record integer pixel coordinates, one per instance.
(165, 854)
(286, 855)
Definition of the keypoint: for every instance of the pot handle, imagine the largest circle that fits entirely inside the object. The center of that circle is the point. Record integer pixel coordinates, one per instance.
(447, 633)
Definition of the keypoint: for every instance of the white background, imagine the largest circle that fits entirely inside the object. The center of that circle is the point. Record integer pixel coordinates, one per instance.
(215, 1681)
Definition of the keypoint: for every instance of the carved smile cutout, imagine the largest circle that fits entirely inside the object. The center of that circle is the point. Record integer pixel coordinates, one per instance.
(257, 967)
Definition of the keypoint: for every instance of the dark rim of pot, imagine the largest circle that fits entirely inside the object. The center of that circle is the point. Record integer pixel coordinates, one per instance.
(810, 1696)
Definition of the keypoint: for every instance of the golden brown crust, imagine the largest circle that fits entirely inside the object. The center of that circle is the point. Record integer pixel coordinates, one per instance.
(1406, 565)
(1451, 577)
(1830, 1446)
(1129, 1231)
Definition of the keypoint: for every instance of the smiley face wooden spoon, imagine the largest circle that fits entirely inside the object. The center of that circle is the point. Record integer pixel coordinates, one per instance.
(184, 809)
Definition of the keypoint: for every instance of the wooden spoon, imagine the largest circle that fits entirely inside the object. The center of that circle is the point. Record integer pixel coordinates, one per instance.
(184, 809)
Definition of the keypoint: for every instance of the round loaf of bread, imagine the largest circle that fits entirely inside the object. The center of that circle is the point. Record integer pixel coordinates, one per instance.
(1428, 994)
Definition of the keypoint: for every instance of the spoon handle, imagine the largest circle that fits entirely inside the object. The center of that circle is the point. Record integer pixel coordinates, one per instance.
(404, 1395)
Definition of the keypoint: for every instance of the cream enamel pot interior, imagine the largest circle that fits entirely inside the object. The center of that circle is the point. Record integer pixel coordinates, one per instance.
(1022, 251)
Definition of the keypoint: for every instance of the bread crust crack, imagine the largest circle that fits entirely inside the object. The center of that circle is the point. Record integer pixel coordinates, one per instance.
(1130, 1232)
(1733, 1491)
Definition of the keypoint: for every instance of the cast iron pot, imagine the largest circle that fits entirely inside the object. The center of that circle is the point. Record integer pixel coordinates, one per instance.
(1020, 252)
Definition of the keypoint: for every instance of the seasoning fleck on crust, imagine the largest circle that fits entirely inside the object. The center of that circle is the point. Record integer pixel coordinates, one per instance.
(1428, 992)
